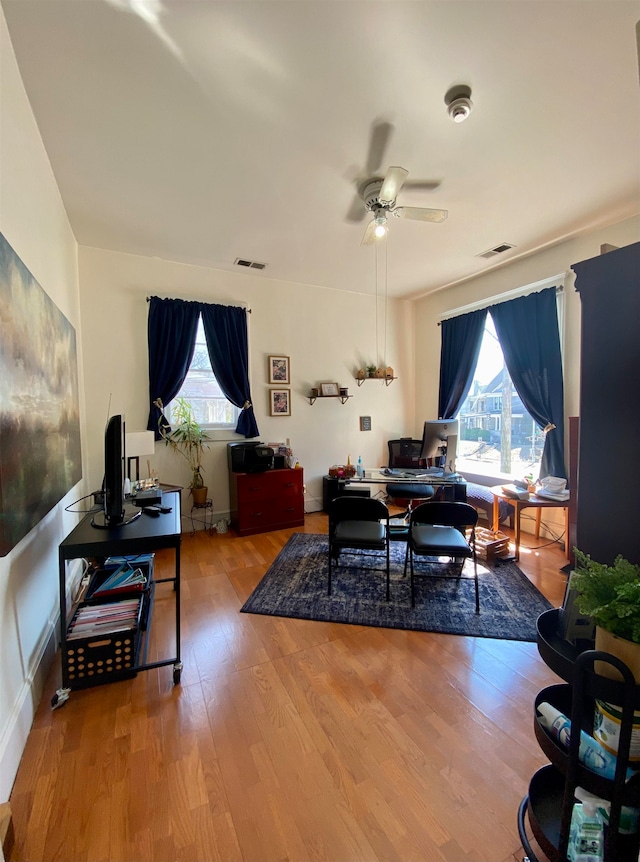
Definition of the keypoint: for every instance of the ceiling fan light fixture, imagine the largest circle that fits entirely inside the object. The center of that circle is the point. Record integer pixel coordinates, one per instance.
(380, 223)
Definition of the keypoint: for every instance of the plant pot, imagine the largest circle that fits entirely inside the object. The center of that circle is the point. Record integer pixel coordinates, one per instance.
(608, 717)
(626, 651)
(199, 495)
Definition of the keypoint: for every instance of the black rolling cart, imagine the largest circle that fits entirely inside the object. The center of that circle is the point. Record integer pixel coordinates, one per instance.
(122, 653)
(545, 811)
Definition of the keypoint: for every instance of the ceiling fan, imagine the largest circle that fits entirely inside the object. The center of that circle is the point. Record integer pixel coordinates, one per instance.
(379, 197)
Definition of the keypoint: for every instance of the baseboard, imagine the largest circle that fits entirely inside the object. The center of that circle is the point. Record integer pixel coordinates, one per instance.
(16, 731)
(203, 519)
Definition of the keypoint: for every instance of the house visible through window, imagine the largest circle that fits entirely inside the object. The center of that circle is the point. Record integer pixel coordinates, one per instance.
(201, 389)
(497, 436)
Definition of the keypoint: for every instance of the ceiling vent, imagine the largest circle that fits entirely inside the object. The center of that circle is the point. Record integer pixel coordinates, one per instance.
(250, 264)
(498, 249)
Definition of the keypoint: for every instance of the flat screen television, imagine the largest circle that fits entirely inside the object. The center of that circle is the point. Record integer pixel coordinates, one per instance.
(114, 512)
(440, 442)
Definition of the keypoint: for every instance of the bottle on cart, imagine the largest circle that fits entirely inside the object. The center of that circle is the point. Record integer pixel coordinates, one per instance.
(586, 834)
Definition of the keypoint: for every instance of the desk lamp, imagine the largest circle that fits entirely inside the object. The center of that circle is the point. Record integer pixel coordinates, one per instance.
(138, 443)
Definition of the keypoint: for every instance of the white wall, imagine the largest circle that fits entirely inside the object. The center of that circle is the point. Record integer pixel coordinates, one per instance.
(34, 223)
(327, 334)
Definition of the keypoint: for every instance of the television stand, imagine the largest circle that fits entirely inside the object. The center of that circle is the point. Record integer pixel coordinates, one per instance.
(142, 536)
(131, 513)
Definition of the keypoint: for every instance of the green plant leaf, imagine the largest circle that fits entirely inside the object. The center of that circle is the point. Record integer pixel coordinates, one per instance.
(187, 438)
(610, 595)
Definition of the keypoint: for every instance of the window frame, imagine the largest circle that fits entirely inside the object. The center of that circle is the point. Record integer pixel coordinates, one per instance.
(558, 281)
(215, 430)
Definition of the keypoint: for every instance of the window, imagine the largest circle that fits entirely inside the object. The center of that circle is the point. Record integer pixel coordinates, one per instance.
(497, 436)
(202, 391)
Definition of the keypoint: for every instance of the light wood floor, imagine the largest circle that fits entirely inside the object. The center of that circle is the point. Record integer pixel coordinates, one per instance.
(288, 739)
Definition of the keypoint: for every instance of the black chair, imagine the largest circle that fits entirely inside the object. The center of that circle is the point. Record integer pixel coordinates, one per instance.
(405, 452)
(358, 524)
(437, 529)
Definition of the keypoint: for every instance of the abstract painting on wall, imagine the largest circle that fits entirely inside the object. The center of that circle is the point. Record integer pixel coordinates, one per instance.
(40, 454)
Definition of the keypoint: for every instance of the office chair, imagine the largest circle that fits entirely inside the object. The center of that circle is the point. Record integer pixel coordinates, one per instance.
(437, 529)
(405, 452)
(358, 524)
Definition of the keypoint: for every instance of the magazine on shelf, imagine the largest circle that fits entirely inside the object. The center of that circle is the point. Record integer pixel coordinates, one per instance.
(125, 578)
(111, 617)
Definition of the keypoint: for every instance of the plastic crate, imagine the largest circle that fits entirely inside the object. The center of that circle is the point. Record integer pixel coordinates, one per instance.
(107, 656)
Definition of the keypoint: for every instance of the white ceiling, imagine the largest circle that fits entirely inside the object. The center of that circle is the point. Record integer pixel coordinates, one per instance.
(202, 130)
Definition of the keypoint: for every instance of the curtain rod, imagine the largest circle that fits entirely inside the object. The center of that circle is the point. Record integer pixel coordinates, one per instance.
(557, 281)
(248, 310)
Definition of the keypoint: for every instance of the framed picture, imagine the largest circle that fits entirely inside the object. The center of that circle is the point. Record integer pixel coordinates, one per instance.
(279, 369)
(327, 389)
(280, 402)
(40, 453)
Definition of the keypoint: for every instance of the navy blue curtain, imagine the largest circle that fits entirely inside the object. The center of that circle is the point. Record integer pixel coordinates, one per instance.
(171, 333)
(527, 329)
(459, 351)
(225, 328)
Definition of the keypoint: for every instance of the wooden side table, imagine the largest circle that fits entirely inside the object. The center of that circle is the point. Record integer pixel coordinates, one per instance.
(530, 502)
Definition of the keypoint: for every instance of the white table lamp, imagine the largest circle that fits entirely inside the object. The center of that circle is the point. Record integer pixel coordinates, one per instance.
(138, 443)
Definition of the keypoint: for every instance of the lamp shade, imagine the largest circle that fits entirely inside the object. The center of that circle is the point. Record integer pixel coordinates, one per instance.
(139, 443)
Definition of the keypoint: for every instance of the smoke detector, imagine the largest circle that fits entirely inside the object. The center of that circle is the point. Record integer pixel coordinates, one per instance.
(459, 104)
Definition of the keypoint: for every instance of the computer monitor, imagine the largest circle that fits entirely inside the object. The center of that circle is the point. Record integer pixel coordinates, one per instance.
(114, 511)
(440, 442)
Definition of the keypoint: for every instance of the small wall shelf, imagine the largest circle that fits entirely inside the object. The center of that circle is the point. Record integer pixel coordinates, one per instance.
(314, 398)
(387, 380)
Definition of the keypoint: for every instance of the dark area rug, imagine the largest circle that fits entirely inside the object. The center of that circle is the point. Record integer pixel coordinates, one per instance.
(295, 585)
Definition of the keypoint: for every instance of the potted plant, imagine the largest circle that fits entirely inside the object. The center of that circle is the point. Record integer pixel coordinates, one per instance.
(188, 439)
(371, 370)
(610, 595)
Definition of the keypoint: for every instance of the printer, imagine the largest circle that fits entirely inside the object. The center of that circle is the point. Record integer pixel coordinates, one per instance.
(249, 457)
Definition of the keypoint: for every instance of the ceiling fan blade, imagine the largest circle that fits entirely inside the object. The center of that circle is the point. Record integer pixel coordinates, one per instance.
(392, 183)
(421, 214)
(380, 135)
(369, 234)
(421, 185)
(356, 212)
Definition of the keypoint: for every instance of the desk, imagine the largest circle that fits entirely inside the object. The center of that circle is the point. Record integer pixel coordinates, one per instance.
(530, 502)
(144, 535)
(454, 489)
